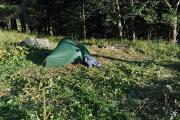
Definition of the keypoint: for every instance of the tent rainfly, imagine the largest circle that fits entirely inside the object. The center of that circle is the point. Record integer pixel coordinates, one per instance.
(66, 52)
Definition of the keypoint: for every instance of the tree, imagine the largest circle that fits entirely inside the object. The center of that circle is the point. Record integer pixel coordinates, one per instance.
(172, 18)
(8, 14)
(119, 24)
(132, 16)
(147, 10)
(84, 19)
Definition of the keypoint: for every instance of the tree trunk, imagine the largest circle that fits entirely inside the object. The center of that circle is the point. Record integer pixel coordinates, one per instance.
(27, 28)
(84, 21)
(125, 30)
(23, 25)
(173, 32)
(48, 17)
(120, 28)
(147, 31)
(9, 24)
(132, 30)
(173, 27)
(13, 24)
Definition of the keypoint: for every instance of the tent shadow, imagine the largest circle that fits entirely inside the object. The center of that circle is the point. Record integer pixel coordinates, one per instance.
(37, 55)
(172, 65)
(77, 60)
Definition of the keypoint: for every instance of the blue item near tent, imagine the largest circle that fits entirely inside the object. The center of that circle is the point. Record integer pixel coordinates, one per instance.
(90, 61)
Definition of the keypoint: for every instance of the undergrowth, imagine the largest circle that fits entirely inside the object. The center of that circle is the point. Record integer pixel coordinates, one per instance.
(138, 80)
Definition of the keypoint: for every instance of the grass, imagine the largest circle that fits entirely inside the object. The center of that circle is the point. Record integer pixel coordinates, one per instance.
(138, 80)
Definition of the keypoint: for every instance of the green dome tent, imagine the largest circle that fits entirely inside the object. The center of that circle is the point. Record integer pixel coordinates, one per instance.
(66, 52)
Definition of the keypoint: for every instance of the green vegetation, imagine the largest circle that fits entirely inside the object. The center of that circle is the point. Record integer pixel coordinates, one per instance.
(138, 80)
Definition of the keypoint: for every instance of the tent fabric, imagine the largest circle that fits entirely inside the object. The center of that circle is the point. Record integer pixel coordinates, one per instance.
(66, 52)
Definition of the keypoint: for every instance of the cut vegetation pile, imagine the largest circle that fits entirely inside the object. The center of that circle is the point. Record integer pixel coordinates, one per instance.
(138, 80)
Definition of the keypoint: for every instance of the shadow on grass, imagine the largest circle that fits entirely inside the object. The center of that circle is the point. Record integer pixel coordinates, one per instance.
(11, 110)
(172, 65)
(152, 100)
(123, 60)
(158, 98)
(167, 64)
(38, 56)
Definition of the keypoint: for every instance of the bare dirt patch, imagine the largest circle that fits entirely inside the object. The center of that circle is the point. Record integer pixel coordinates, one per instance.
(114, 53)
